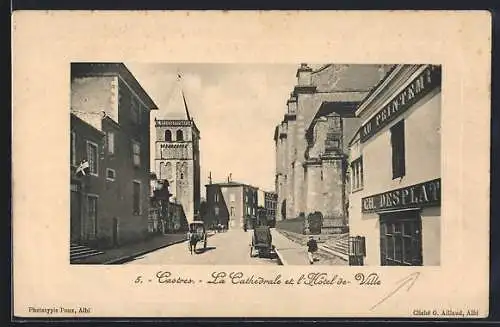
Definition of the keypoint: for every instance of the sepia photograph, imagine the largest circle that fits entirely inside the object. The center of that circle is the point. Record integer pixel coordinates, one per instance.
(273, 161)
(301, 164)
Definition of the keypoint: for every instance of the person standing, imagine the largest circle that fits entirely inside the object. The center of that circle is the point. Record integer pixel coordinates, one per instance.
(312, 247)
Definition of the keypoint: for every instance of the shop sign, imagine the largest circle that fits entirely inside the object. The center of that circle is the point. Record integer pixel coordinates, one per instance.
(415, 196)
(425, 82)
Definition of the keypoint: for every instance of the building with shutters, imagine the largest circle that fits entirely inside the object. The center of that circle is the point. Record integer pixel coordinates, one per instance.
(395, 169)
(176, 142)
(311, 140)
(109, 130)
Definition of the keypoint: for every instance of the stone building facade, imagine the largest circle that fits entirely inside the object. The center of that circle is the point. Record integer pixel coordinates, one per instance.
(310, 140)
(231, 204)
(177, 154)
(395, 163)
(110, 131)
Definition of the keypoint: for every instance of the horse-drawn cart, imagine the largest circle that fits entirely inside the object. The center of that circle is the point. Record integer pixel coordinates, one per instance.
(197, 233)
(262, 242)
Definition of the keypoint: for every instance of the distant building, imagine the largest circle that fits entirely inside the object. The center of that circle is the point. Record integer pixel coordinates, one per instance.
(177, 153)
(311, 140)
(268, 201)
(110, 141)
(271, 203)
(395, 169)
(231, 204)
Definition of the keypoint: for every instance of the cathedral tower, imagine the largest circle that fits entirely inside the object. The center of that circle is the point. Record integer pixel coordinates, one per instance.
(177, 152)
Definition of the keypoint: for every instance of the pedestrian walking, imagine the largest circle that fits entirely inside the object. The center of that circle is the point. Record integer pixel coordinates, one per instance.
(312, 247)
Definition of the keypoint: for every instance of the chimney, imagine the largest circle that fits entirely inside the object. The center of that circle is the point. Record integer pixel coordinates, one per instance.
(230, 177)
(210, 178)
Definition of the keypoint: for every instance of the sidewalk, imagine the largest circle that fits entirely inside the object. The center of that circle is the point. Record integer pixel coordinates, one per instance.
(129, 251)
(290, 253)
(292, 249)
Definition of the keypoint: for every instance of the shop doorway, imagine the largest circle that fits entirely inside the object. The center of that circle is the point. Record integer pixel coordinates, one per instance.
(401, 238)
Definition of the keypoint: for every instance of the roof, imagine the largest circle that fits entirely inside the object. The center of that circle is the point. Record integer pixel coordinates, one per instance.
(89, 69)
(84, 123)
(344, 109)
(176, 107)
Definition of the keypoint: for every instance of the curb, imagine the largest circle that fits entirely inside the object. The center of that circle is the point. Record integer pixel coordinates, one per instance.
(281, 260)
(132, 256)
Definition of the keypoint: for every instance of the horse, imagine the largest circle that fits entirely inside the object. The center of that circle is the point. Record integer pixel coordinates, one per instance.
(192, 240)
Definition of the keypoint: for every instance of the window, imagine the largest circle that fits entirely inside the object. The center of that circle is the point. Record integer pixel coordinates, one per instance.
(232, 197)
(232, 211)
(216, 197)
(179, 135)
(137, 198)
(92, 214)
(92, 158)
(398, 150)
(357, 174)
(73, 149)
(400, 239)
(168, 135)
(136, 152)
(110, 140)
(110, 174)
(216, 211)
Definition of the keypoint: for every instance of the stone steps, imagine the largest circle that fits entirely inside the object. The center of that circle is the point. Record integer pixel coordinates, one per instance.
(80, 252)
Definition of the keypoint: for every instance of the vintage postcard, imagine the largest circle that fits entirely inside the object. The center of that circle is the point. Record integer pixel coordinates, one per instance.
(283, 164)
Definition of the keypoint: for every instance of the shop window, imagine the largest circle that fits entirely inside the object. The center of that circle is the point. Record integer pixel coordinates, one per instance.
(400, 239)
(398, 150)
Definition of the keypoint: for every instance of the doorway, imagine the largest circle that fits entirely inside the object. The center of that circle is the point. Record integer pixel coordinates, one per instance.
(401, 238)
(76, 215)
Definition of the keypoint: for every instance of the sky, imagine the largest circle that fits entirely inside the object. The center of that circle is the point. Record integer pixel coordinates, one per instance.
(236, 108)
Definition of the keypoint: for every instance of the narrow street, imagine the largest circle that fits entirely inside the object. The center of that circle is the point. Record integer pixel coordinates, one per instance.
(233, 248)
(229, 248)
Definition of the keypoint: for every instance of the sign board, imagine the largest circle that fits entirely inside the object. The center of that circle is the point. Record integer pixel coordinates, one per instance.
(425, 82)
(415, 196)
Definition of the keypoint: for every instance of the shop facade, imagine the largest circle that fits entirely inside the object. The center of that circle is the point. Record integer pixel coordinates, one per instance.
(395, 169)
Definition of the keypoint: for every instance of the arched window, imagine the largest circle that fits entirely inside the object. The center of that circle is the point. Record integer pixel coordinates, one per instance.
(169, 171)
(180, 135)
(168, 135)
